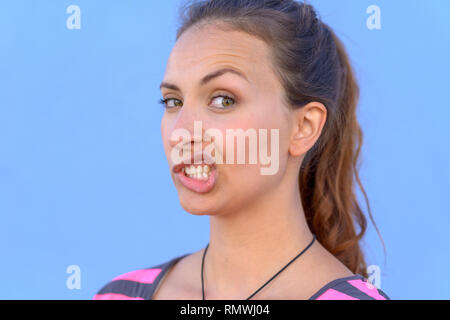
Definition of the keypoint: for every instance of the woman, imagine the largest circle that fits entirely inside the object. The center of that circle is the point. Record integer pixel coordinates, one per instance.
(288, 234)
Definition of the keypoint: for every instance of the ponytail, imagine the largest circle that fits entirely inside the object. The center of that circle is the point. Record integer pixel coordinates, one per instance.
(327, 179)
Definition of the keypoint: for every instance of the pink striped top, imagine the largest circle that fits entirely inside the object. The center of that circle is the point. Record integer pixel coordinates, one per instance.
(141, 284)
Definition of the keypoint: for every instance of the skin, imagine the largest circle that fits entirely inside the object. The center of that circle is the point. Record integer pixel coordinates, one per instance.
(257, 223)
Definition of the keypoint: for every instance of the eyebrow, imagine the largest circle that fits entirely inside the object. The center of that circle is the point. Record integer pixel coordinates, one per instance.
(206, 78)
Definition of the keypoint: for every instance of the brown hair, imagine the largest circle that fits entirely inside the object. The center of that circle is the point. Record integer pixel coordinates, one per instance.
(312, 65)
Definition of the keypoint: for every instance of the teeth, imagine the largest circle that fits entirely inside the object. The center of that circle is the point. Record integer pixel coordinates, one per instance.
(200, 172)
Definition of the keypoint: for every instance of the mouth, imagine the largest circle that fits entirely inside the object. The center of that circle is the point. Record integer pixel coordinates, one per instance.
(199, 172)
(200, 178)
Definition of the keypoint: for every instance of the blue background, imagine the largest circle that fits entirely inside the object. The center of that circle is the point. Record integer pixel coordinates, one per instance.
(83, 176)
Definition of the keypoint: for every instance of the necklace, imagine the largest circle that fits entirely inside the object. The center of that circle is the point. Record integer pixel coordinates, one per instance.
(307, 247)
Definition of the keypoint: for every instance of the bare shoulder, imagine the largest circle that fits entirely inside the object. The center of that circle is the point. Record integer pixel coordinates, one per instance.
(336, 282)
(318, 268)
(182, 281)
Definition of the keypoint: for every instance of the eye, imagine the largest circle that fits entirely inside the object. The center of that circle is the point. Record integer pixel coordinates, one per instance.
(223, 102)
(170, 103)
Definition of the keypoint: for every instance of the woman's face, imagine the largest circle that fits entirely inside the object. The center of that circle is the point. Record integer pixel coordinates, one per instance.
(246, 96)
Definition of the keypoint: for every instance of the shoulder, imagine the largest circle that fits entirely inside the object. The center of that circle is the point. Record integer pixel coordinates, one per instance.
(354, 287)
(134, 285)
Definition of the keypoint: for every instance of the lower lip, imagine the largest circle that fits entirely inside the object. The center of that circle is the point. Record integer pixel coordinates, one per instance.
(197, 185)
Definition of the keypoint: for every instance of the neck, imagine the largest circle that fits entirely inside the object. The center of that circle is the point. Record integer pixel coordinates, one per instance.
(248, 247)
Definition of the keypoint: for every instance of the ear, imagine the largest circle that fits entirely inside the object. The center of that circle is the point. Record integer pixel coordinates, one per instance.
(309, 121)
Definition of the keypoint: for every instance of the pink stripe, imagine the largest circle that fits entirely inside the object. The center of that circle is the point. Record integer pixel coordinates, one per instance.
(142, 276)
(332, 294)
(114, 296)
(367, 288)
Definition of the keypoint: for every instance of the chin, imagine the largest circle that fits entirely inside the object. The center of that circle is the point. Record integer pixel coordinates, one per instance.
(198, 204)
(194, 204)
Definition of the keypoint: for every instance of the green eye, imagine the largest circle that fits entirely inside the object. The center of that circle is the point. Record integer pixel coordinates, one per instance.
(224, 102)
(171, 103)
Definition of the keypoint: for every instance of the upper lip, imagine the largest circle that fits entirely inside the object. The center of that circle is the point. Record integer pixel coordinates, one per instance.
(206, 159)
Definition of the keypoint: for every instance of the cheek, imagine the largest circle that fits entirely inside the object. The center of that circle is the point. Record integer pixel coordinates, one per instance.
(165, 134)
(269, 118)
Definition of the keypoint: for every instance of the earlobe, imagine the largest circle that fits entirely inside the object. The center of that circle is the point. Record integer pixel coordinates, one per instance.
(295, 149)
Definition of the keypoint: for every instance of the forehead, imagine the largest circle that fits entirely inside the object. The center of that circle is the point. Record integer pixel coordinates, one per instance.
(201, 49)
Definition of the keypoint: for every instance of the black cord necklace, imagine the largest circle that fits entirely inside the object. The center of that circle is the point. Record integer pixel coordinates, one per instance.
(203, 262)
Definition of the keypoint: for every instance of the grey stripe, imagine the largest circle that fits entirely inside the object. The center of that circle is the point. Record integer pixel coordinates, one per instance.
(352, 291)
(127, 287)
(333, 284)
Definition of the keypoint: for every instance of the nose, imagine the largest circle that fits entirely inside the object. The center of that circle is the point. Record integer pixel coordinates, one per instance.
(187, 128)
